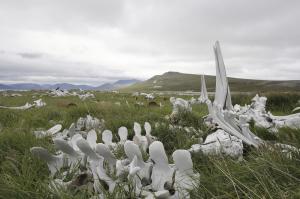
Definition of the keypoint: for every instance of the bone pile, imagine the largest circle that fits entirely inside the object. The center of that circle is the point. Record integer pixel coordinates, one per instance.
(232, 122)
(59, 92)
(148, 96)
(179, 105)
(62, 93)
(256, 111)
(37, 103)
(154, 178)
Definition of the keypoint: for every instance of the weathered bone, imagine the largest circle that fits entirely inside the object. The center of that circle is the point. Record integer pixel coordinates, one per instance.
(161, 172)
(84, 146)
(203, 96)
(73, 156)
(222, 94)
(123, 134)
(104, 151)
(185, 178)
(148, 130)
(140, 140)
(92, 138)
(55, 163)
(107, 137)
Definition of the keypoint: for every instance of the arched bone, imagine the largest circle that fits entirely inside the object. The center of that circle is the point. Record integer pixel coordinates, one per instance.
(105, 152)
(123, 134)
(185, 178)
(147, 127)
(73, 157)
(92, 138)
(84, 146)
(161, 172)
(74, 140)
(137, 129)
(148, 130)
(55, 163)
(107, 138)
(134, 155)
(138, 139)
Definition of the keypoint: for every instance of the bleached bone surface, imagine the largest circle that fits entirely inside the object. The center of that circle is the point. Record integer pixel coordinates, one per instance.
(123, 134)
(55, 163)
(39, 103)
(50, 132)
(84, 146)
(24, 107)
(138, 139)
(107, 137)
(59, 93)
(179, 105)
(204, 96)
(148, 130)
(149, 96)
(220, 143)
(104, 151)
(86, 96)
(185, 178)
(154, 178)
(73, 157)
(222, 94)
(55, 129)
(256, 111)
(92, 138)
(161, 172)
(138, 170)
(221, 110)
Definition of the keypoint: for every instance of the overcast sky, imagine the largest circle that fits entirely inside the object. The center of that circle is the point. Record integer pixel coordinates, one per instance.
(96, 41)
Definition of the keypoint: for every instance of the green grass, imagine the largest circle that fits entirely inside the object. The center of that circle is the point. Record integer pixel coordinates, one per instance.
(263, 173)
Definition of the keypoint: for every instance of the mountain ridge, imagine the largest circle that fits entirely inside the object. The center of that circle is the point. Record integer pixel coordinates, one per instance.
(34, 86)
(176, 81)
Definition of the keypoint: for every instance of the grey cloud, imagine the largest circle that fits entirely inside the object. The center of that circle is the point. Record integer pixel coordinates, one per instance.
(97, 40)
(31, 55)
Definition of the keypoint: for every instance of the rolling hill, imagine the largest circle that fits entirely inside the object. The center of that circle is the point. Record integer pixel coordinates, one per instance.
(175, 81)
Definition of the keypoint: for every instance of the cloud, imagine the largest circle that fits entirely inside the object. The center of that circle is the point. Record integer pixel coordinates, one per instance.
(66, 40)
(30, 55)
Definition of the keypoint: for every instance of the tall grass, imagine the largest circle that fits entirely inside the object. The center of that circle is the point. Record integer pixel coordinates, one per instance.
(263, 173)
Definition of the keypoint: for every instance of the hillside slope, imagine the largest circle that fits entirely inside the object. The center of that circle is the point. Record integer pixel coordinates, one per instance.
(174, 81)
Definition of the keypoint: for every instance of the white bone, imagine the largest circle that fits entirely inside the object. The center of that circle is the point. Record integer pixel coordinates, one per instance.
(137, 129)
(147, 127)
(55, 163)
(123, 134)
(107, 137)
(84, 146)
(222, 94)
(161, 172)
(73, 156)
(105, 152)
(74, 140)
(92, 138)
(55, 129)
(185, 178)
(204, 96)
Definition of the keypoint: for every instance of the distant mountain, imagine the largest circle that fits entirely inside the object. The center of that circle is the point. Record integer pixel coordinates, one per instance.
(31, 86)
(175, 81)
(117, 85)
(71, 86)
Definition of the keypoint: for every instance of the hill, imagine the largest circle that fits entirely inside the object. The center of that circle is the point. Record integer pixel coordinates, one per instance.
(175, 81)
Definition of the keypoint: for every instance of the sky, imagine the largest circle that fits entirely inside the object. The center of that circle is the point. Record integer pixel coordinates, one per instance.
(97, 41)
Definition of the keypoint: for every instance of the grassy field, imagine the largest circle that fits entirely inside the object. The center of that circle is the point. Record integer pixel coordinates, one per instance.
(263, 173)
